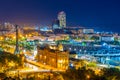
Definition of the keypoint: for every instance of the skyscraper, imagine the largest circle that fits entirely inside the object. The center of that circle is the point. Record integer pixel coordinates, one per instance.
(55, 24)
(62, 19)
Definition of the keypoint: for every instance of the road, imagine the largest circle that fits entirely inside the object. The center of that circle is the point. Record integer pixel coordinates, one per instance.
(44, 66)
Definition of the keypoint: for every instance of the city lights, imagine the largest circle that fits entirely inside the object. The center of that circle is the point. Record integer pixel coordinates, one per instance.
(40, 42)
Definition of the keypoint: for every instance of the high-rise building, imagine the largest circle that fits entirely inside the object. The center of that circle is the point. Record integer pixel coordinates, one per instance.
(55, 24)
(62, 19)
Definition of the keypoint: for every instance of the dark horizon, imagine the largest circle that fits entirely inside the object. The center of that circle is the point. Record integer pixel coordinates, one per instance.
(101, 15)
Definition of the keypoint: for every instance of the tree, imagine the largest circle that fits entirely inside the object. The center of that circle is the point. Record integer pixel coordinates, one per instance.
(95, 38)
(9, 60)
(80, 63)
(111, 73)
(79, 74)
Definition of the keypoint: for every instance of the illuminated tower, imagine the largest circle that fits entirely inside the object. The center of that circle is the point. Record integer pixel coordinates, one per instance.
(17, 46)
(62, 19)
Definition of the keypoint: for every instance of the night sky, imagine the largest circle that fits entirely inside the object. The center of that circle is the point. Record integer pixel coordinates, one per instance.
(103, 15)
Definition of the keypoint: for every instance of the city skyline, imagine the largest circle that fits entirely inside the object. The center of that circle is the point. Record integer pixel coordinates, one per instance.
(59, 40)
(100, 15)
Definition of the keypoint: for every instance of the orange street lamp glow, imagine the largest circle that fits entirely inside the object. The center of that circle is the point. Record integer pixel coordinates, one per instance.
(14, 37)
(88, 76)
(1, 38)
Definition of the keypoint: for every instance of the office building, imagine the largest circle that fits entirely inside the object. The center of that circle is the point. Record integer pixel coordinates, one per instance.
(62, 19)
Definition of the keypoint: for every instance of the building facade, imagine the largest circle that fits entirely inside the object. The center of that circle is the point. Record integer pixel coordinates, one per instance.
(55, 58)
(62, 19)
(55, 24)
(103, 54)
(87, 31)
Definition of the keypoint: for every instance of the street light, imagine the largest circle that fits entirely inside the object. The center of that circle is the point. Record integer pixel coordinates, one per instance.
(88, 77)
